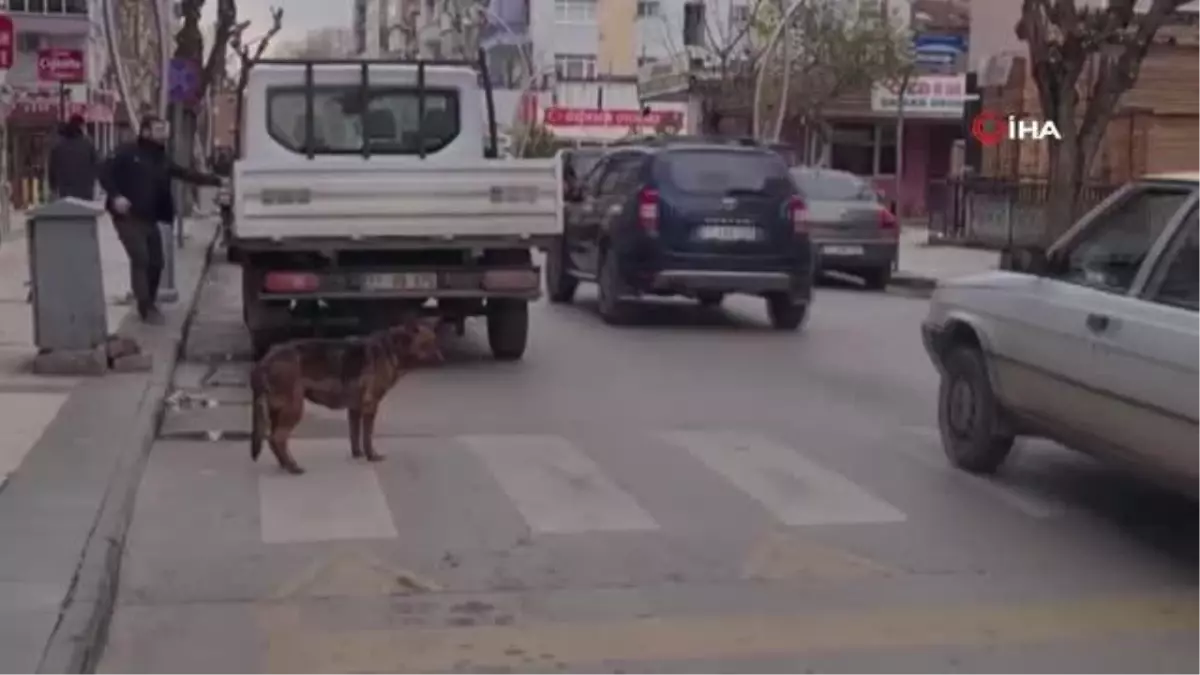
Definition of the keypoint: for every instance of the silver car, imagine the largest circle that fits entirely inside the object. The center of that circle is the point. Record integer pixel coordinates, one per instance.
(851, 229)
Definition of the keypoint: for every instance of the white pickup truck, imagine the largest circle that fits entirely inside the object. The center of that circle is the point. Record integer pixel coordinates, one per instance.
(367, 190)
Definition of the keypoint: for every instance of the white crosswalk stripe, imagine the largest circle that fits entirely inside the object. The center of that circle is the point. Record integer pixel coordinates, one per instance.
(792, 488)
(557, 488)
(335, 499)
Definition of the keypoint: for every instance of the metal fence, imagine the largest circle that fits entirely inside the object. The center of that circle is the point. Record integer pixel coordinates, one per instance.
(995, 213)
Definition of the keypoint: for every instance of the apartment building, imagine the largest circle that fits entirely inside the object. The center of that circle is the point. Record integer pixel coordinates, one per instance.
(59, 59)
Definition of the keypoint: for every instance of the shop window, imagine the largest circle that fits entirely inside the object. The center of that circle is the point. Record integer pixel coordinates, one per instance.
(887, 151)
(852, 148)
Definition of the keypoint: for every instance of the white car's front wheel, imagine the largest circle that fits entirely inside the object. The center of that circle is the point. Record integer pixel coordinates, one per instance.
(968, 414)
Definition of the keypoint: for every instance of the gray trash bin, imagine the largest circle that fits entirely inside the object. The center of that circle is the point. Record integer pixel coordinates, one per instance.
(66, 276)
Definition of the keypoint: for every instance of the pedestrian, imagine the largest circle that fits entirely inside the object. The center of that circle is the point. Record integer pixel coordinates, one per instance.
(137, 181)
(73, 162)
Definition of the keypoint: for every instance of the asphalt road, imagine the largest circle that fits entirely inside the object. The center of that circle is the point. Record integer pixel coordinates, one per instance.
(695, 493)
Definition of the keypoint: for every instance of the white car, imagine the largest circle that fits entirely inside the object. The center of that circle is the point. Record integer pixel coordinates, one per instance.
(1092, 344)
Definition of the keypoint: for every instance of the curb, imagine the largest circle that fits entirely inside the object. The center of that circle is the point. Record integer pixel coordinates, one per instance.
(913, 281)
(77, 641)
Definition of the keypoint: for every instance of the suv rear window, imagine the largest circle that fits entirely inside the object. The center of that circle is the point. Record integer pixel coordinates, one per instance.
(339, 123)
(834, 186)
(723, 172)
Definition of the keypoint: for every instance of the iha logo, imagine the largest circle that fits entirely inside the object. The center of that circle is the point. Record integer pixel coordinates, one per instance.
(990, 127)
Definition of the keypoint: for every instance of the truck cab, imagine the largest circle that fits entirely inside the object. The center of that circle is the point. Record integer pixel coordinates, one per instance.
(368, 191)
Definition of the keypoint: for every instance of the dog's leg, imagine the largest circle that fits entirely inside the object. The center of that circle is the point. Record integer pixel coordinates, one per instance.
(283, 421)
(356, 425)
(368, 432)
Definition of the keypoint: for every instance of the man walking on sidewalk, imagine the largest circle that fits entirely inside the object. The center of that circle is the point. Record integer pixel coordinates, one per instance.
(137, 179)
(73, 162)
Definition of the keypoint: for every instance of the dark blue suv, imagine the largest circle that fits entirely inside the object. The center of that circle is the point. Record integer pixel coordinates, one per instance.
(696, 219)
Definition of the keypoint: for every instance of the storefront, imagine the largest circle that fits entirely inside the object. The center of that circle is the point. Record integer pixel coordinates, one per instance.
(33, 119)
(587, 125)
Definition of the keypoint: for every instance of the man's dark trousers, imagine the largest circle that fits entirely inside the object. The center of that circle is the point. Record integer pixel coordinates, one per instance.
(144, 245)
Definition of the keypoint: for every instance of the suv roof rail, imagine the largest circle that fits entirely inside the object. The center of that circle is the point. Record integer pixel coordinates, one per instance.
(480, 65)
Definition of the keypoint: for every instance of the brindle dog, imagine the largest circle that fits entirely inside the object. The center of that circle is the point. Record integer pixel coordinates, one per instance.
(353, 374)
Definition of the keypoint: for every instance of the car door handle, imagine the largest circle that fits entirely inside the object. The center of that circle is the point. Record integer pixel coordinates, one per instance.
(1098, 323)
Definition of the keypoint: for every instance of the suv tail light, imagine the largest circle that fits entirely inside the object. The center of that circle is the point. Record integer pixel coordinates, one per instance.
(887, 220)
(798, 211)
(648, 210)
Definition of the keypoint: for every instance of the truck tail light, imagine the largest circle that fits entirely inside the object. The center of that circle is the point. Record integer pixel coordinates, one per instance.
(291, 282)
(648, 210)
(798, 211)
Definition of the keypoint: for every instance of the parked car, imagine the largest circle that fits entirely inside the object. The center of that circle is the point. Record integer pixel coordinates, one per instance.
(685, 217)
(852, 229)
(1093, 343)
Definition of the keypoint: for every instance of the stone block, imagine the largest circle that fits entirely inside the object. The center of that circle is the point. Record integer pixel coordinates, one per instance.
(72, 362)
(133, 363)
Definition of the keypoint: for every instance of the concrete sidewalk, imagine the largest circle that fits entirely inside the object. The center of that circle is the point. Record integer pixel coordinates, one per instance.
(75, 461)
(922, 265)
(29, 402)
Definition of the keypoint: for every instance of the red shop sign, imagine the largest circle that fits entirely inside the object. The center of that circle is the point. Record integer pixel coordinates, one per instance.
(60, 65)
(585, 117)
(7, 40)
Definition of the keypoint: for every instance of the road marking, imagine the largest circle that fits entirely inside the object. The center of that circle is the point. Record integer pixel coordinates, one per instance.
(292, 646)
(792, 488)
(785, 556)
(556, 488)
(352, 573)
(1028, 501)
(338, 498)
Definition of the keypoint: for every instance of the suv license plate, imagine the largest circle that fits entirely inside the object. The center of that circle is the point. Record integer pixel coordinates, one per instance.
(842, 250)
(727, 233)
(403, 281)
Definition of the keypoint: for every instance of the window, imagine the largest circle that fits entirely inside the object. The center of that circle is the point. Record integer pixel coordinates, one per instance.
(739, 15)
(693, 24)
(1178, 278)
(887, 151)
(623, 174)
(1113, 247)
(724, 172)
(390, 125)
(575, 66)
(591, 182)
(648, 8)
(853, 149)
(835, 186)
(575, 11)
(28, 43)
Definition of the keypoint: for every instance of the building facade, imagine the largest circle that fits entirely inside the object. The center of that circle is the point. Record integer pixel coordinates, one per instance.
(59, 66)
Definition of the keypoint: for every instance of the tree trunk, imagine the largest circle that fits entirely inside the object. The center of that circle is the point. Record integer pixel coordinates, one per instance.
(1064, 186)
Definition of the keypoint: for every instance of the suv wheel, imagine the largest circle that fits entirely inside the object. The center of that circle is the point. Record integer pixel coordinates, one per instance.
(878, 279)
(613, 309)
(507, 328)
(785, 311)
(968, 414)
(560, 285)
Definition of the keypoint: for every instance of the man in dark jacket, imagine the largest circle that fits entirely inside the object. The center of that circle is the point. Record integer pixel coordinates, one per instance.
(137, 179)
(73, 162)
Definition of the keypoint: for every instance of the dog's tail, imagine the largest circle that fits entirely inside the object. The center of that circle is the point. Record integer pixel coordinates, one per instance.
(259, 412)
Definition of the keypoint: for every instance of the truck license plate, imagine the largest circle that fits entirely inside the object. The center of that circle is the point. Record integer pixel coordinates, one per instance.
(842, 250)
(728, 233)
(402, 281)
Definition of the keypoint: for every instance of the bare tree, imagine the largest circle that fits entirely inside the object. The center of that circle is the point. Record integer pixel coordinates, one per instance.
(1083, 60)
(832, 48)
(250, 52)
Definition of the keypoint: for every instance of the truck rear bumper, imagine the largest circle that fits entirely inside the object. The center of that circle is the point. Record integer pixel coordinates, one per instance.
(521, 282)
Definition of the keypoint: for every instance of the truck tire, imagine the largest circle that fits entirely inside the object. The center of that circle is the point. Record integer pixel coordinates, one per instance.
(507, 328)
(785, 312)
(968, 414)
(560, 285)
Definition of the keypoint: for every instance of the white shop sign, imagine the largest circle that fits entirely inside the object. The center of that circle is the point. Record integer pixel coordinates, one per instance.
(925, 96)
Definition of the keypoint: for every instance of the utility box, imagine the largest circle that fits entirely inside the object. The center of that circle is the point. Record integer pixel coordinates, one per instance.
(66, 277)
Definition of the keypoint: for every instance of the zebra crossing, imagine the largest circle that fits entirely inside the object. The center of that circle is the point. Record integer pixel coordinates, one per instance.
(557, 486)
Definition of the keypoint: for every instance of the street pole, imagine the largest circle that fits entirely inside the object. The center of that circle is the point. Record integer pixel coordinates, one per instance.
(899, 184)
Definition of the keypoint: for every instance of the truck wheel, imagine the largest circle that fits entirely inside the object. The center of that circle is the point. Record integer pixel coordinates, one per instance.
(968, 414)
(560, 285)
(507, 328)
(785, 312)
(877, 279)
(613, 309)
